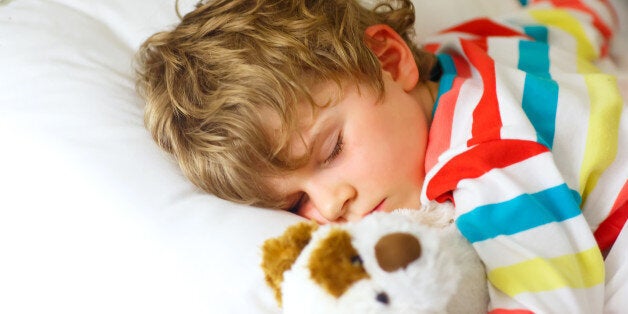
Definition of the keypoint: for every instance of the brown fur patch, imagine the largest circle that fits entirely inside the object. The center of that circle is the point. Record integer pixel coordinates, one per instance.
(278, 254)
(397, 250)
(335, 264)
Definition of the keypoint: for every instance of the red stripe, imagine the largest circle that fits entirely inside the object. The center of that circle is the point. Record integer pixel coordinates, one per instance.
(611, 8)
(484, 27)
(440, 131)
(432, 47)
(487, 120)
(479, 160)
(608, 231)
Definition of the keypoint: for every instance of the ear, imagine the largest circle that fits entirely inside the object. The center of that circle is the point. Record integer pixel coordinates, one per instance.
(394, 54)
(278, 254)
(335, 264)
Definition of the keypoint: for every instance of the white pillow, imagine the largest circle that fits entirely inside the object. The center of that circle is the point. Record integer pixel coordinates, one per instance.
(94, 218)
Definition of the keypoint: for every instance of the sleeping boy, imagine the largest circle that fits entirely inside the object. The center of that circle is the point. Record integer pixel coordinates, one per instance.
(330, 110)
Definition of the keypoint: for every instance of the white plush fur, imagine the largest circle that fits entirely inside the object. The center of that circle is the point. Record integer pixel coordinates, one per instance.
(447, 278)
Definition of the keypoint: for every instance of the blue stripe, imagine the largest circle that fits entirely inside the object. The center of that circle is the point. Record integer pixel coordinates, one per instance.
(537, 32)
(523, 2)
(447, 78)
(534, 57)
(540, 92)
(540, 98)
(521, 213)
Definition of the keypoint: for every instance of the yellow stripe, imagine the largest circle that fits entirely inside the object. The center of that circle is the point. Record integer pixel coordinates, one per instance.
(581, 270)
(585, 66)
(603, 129)
(565, 21)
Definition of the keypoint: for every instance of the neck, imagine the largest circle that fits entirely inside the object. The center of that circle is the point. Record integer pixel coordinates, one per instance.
(426, 93)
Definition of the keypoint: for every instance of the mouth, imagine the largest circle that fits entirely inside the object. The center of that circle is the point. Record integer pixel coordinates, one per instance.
(378, 207)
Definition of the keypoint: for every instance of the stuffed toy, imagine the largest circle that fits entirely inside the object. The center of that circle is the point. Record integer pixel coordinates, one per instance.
(406, 261)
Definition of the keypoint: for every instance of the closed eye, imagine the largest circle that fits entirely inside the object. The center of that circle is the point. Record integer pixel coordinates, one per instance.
(296, 206)
(336, 151)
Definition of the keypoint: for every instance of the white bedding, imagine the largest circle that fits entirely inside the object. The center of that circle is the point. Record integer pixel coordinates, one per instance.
(93, 217)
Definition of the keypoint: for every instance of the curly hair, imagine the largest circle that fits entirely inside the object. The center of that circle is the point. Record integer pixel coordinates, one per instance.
(207, 82)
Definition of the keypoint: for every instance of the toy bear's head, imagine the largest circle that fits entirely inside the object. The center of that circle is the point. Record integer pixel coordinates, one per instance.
(408, 261)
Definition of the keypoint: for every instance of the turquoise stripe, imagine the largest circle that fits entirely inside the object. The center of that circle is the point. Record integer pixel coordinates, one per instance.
(523, 2)
(534, 57)
(540, 98)
(537, 32)
(540, 92)
(521, 213)
(447, 78)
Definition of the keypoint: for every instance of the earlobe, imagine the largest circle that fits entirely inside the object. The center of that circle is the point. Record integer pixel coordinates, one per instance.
(394, 54)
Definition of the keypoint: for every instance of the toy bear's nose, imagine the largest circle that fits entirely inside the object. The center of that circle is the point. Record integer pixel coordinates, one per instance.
(397, 250)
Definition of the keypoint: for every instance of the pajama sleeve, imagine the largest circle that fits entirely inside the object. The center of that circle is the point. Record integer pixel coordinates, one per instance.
(525, 223)
(496, 149)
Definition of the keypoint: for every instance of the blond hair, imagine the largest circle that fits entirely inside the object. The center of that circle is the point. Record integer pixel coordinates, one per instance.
(207, 81)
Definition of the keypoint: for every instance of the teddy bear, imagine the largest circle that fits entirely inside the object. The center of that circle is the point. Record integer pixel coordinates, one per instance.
(405, 261)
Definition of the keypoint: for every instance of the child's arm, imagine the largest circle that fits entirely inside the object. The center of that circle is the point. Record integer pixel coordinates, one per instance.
(496, 149)
(525, 223)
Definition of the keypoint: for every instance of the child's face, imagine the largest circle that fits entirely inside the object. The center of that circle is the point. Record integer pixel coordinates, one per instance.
(367, 155)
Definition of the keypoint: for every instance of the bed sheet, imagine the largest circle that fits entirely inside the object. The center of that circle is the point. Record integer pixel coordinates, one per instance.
(93, 217)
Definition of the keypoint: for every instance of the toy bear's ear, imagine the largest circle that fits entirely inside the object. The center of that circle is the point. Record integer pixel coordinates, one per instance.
(278, 254)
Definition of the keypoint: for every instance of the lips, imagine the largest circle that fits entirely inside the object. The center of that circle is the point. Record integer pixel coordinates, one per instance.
(379, 207)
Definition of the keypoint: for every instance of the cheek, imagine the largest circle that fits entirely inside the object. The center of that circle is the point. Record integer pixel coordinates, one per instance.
(396, 149)
(412, 139)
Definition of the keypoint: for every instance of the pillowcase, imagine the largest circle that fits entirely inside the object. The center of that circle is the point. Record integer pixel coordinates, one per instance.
(94, 217)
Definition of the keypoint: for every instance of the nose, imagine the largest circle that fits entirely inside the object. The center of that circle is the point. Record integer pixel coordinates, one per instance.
(397, 250)
(331, 199)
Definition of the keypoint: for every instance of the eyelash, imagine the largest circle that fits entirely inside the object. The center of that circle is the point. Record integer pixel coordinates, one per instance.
(294, 208)
(336, 151)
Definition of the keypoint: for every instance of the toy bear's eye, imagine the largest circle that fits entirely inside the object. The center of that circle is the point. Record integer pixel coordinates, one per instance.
(356, 260)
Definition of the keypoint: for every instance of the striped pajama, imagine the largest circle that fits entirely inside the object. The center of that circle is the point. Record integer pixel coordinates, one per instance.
(529, 140)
